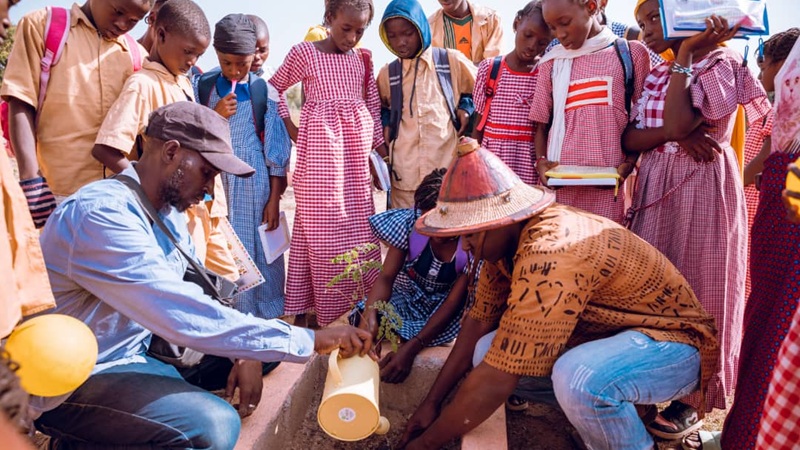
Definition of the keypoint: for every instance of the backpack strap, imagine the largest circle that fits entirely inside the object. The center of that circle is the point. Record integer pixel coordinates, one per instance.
(396, 93)
(416, 244)
(624, 54)
(56, 30)
(491, 85)
(205, 84)
(366, 55)
(258, 101)
(442, 63)
(133, 50)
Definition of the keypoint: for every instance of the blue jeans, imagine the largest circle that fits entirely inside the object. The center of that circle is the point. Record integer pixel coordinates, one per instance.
(141, 406)
(598, 383)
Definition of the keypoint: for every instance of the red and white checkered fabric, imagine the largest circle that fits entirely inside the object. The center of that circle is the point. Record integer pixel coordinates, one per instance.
(593, 132)
(331, 181)
(780, 424)
(509, 131)
(695, 213)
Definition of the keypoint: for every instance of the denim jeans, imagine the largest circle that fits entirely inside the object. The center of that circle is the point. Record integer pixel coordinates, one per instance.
(141, 406)
(598, 383)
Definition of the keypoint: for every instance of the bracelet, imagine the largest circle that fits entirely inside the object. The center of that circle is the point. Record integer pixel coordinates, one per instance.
(677, 68)
(421, 342)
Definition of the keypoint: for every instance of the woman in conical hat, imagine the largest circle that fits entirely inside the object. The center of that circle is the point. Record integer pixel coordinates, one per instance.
(577, 301)
(683, 126)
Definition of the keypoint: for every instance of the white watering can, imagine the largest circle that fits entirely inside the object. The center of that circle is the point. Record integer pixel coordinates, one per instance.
(349, 407)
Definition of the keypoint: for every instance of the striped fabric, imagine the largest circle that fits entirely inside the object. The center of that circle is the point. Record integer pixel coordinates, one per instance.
(508, 132)
(332, 186)
(589, 92)
(41, 202)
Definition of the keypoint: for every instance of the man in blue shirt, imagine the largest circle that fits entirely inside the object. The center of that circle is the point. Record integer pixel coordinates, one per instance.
(110, 267)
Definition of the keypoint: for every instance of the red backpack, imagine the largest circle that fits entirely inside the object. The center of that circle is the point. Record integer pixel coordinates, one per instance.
(56, 30)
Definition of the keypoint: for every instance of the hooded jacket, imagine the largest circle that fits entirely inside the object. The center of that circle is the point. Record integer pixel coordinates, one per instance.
(427, 138)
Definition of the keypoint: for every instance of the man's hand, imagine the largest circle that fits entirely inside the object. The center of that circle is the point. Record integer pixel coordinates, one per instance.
(271, 214)
(246, 375)
(463, 121)
(348, 339)
(41, 202)
(226, 107)
(422, 419)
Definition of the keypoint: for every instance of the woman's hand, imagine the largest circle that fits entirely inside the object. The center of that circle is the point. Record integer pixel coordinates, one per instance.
(395, 367)
(716, 32)
(271, 214)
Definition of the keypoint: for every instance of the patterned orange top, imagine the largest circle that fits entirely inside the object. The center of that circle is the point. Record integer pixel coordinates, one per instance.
(578, 277)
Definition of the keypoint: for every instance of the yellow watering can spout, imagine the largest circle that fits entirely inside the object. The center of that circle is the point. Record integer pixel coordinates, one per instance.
(349, 407)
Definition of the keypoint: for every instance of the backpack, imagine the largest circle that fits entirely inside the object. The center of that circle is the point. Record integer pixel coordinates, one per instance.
(418, 242)
(491, 84)
(624, 54)
(258, 95)
(442, 64)
(56, 31)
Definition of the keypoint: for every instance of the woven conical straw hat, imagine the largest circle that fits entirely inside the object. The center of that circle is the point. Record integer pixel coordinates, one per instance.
(479, 192)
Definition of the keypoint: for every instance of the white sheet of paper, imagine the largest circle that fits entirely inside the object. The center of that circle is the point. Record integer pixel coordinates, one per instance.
(275, 242)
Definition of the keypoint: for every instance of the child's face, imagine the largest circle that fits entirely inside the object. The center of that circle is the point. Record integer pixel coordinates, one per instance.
(769, 68)
(569, 21)
(178, 52)
(403, 37)
(262, 53)
(532, 38)
(649, 19)
(452, 7)
(234, 67)
(347, 27)
(113, 18)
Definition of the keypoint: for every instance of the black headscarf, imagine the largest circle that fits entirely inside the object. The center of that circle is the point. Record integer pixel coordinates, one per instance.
(235, 34)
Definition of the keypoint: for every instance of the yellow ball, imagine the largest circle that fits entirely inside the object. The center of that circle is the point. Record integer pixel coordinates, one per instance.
(55, 353)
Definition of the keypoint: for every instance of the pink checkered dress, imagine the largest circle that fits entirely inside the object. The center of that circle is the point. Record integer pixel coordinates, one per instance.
(754, 140)
(338, 128)
(595, 119)
(694, 213)
(509, 130)
(780, 424)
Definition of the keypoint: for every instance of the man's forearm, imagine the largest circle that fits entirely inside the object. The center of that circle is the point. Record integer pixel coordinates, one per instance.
(23, 137)
(484, 390)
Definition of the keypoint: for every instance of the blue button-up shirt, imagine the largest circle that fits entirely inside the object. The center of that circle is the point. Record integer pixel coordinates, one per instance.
(113, 270)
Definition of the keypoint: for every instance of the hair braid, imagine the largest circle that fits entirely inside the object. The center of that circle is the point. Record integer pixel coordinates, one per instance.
(428, 191)
(13, 399)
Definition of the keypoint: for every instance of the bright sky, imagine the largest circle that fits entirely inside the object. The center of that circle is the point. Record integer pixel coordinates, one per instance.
(289, 20)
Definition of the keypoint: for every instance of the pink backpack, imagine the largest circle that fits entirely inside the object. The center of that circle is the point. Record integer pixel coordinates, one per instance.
(56, 30)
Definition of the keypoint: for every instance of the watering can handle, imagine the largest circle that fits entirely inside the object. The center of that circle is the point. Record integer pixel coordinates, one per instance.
(333, 366)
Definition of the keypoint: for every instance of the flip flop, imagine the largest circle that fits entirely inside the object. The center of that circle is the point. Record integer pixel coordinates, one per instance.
(707, 440)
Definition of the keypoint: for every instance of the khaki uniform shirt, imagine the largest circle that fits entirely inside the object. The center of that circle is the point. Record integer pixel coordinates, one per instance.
(487, 32)
(578, 277)
(426, 138)
(26, 287)
(83, 85)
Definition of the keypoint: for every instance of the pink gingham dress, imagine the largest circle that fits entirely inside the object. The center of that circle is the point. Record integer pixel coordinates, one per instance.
(338, 129)
(509, 131)
(593, 128)
(694, 213)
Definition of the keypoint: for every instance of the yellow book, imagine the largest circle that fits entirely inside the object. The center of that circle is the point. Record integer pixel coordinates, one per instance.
(566, 175)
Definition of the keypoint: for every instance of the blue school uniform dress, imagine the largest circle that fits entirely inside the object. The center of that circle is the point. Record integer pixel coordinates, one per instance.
(248, 196)
(424, 281)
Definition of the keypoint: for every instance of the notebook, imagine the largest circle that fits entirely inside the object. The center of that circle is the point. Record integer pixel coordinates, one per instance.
(275, 242)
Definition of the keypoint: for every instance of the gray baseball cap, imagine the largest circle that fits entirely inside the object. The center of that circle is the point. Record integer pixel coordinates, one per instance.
(198, 128)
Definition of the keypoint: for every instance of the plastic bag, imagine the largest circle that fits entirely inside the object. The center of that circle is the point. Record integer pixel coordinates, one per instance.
(683, 18)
